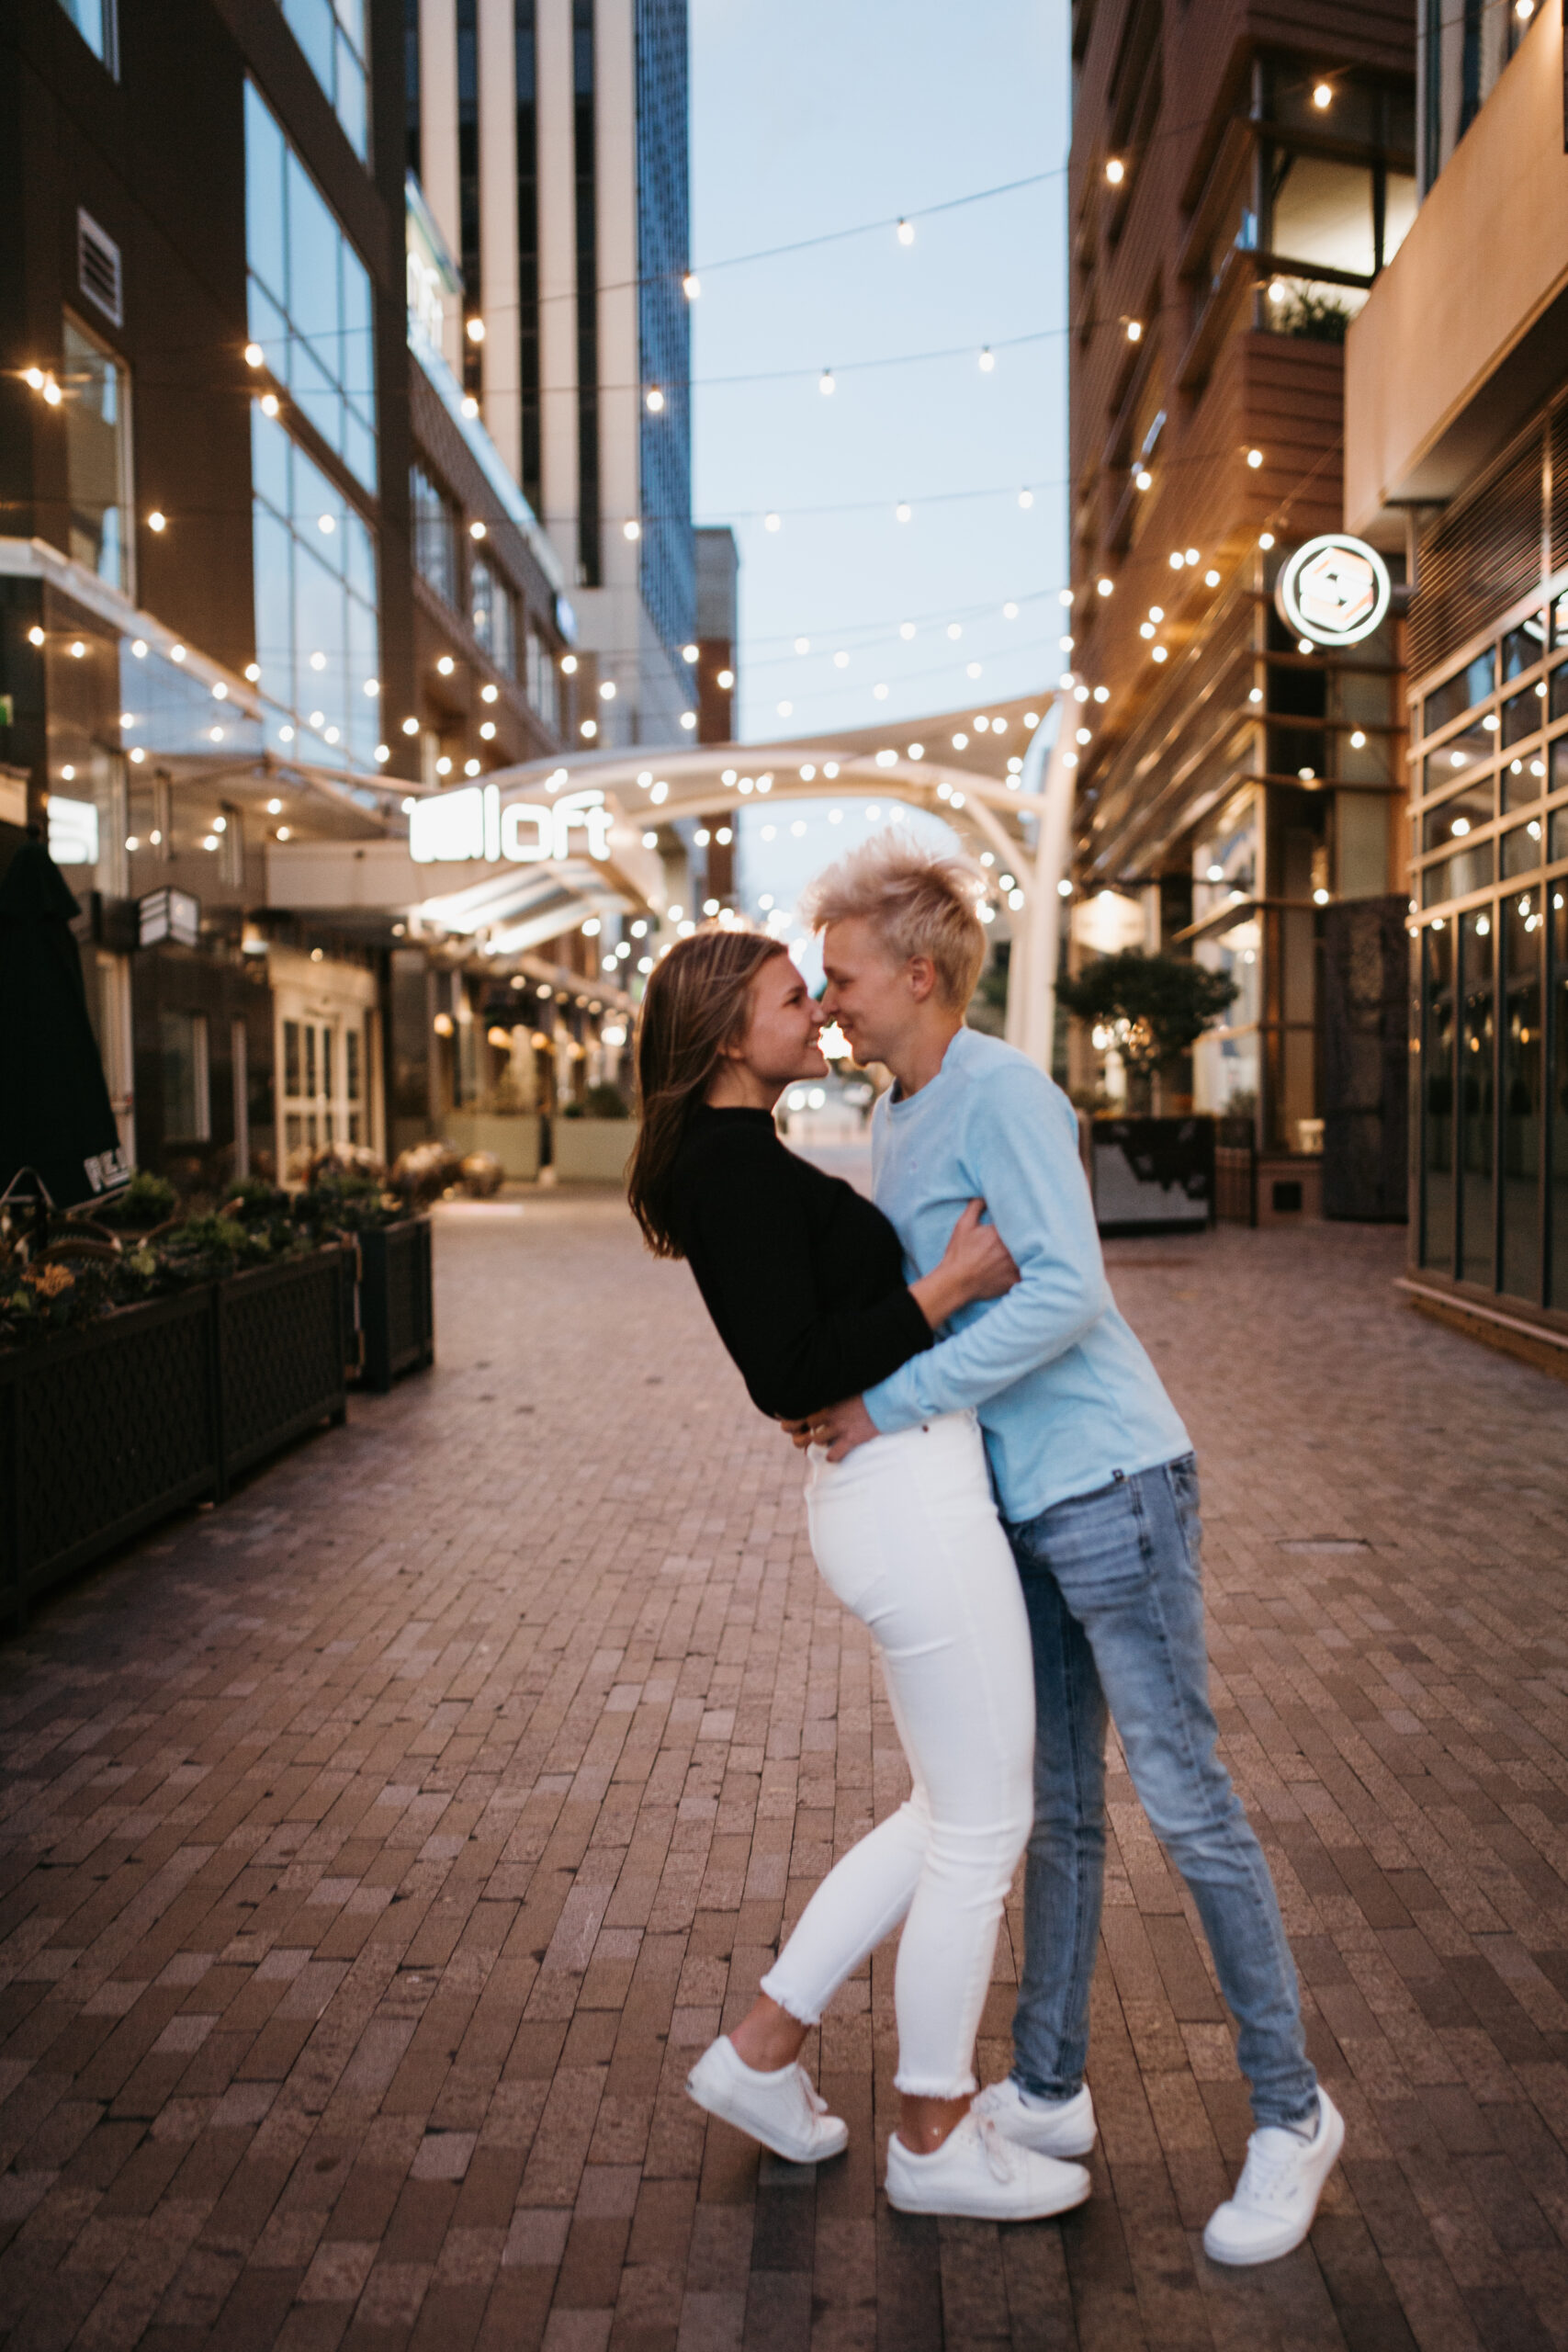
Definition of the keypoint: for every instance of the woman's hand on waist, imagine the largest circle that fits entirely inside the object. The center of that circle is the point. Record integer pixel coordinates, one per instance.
(976, 1264)
(839, 1427)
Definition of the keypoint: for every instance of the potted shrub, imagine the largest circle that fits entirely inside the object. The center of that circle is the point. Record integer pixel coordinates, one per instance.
(592, 1140)
(1149, 1173)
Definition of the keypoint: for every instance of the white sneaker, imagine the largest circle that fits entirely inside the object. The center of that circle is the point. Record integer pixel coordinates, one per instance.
(977, 2173)
(1057, 2127)
(1277, 2195)
(781, 2110)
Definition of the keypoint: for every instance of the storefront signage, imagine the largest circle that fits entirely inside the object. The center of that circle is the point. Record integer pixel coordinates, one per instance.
(168, 914)
(1334, 591)
(477, 823)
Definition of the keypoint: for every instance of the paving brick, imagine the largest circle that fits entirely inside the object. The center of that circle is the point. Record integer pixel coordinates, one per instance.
(378, 1850)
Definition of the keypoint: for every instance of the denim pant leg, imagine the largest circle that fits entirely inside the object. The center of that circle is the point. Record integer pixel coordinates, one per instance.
(1125, 1562)
(1064, 1877)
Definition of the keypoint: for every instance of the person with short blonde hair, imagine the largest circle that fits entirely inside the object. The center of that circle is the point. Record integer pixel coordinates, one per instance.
(918, 902)
(1097, 1489)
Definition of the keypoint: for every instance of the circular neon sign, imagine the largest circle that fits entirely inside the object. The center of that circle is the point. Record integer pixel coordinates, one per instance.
(1334, 589)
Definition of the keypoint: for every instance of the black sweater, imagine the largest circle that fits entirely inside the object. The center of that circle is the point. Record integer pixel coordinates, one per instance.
(802, 1275)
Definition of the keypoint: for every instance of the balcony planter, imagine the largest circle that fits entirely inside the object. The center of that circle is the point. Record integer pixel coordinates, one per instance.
(1153, 1175)
(108, 1428)
(396, 1301)
(592, 1152)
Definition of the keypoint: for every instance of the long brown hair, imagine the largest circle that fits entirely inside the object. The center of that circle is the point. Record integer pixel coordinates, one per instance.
(697, 1001)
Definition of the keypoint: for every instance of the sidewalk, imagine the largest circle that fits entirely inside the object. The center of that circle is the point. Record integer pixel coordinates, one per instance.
(377, 1850)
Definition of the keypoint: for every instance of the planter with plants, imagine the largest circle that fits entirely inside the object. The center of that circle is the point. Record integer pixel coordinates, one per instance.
(592, 1140)
(390, 1318)
(1148, 1173)
(144, 1361)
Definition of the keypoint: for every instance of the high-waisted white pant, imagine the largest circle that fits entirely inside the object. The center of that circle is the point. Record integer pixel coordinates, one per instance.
(907, 1536)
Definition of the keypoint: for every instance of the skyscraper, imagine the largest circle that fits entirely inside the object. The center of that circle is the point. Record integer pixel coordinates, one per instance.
(552, 150)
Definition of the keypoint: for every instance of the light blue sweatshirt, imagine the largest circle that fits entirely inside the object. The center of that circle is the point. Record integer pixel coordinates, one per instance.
(1065, 1393)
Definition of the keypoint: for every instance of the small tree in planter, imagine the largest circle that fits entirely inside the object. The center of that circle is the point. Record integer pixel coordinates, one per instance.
(1154, 1009)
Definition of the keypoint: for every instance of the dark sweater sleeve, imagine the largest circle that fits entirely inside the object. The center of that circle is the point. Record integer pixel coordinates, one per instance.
(750, 1245)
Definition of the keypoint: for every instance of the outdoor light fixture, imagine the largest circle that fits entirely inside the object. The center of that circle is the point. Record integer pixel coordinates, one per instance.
(475, 530)
(446, 665)
(632, 530)
(1134, 330)
(253, 355)
(1026, 499)
(825, 384)
(1323, 95)
(726, 679)
(903, 512)
(1266, 539)
(690, 285)
(476, 330)
(569, 665)
(689, 653)
(410, 726)
(1105, 586)
(1142, 479)
(988, 360)
(1116, 170)
(773, 523)
(269, 404)
(654, 400)
(35, 635)
(157, 520)
(1255, 458)
(906, 232)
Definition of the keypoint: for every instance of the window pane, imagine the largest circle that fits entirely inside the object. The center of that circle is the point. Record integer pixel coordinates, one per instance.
(98, 457)
(1523, 647)
(1522, 941)
(1465, 688)
(1465, 750)
(1477, 1098)
(273, 555)
(264, 195)
(1524, 714)
(1521, 849)
(1322, 212)
(351, 1064)
(1464, 812)
(1438, 1098)
(311, 24)
(351, 95)
(1522, 780)
(1559, 691)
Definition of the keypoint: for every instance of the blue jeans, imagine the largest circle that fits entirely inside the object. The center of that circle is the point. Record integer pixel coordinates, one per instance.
(1110, 1581)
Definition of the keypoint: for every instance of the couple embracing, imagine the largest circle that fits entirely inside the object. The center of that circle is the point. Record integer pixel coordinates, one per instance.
(999, 1488)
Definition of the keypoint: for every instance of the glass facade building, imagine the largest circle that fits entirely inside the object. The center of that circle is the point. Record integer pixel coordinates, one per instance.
(310, 300)
(668, 549)
(97, 455)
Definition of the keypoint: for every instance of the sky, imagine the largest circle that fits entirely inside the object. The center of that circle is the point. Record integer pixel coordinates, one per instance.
(822, 114)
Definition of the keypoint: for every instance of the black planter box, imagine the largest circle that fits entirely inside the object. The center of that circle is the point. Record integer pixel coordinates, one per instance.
(397, 1303)
(1153, 1175)
(105, 1430)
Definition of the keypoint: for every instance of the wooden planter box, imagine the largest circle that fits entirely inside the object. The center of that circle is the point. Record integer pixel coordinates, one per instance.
(396, 1302)
(105, 1430)
(592, 1152)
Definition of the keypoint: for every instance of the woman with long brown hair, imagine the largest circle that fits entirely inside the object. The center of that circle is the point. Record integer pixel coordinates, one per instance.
(804, 1280)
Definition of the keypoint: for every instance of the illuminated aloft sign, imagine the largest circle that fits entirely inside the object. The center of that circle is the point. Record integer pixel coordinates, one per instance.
(1334, 591)
(477, 823)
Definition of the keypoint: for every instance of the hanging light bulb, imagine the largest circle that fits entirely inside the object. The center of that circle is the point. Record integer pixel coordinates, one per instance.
(825, 384)
(903, 512)
(654, 400)
(1116, 170)
(690, 285)
(906, 232)
(988, 360)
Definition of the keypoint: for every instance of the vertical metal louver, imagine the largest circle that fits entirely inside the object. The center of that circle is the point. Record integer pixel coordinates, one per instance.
(1559, 520)
(97, 268)
(1476, 562)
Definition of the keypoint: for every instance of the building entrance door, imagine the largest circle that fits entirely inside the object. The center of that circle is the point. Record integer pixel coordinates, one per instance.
(324, 1060)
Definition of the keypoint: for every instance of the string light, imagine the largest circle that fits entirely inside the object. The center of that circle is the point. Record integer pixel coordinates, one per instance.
(691, 285)
(1255, 458)
(903, 512)
(1026, 499)
(1134, 330)
(825, 384)
(906, 232)
(1116, 170)
(157, 520)
(1323, 96)
(773, 523)
(988, 360)
(654, 400)
(631, 529)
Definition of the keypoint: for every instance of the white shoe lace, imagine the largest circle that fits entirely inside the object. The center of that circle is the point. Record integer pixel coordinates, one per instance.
(814, 2098)
(1000, 2153)
(1268, 2170)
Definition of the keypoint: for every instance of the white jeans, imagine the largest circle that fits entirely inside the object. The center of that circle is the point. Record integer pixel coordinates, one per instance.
(907, 1536)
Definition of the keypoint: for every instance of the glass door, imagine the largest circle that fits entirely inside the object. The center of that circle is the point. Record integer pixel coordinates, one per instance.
(322, 1067)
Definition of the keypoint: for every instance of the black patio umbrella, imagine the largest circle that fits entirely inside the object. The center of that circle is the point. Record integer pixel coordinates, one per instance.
(55, 1117)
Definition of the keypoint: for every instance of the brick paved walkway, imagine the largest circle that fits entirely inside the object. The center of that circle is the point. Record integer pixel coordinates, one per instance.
(379, 1849)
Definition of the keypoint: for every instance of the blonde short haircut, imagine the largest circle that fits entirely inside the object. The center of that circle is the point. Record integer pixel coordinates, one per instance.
(919, 903)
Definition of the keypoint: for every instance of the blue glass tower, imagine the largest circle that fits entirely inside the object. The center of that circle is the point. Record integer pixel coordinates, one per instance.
(668, 567)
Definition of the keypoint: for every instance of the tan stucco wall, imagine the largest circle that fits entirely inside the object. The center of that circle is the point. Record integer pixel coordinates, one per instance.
(1487, 253)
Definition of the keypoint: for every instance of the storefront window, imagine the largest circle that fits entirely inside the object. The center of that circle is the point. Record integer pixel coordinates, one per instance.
(97, 455)
(317, 635)
(187, 1108)
(332, 34)
(1437, 1062)
(1226, 860)
(1477, 1105)
(310, 295)
(1522, 1056)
